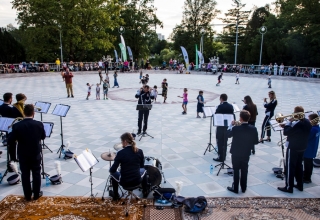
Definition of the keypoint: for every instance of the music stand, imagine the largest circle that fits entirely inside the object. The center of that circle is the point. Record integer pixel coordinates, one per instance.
(44, 108)
(209, 112)
(61, 110)
(144, 107)
(318, 112)
(1, 101)
(223, 120)
(48, 126)
(4, 124)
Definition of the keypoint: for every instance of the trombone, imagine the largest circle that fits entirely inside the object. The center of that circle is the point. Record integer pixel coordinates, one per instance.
(280, 143)
(295, 116)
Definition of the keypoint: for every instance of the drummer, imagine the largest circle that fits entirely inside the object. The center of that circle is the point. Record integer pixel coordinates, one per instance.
(132, 173)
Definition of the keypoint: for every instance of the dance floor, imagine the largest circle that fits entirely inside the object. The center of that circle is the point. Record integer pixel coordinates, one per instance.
(179, 140)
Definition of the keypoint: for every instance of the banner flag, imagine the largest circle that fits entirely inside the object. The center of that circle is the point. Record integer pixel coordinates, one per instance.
(201, 58)
(130, 53)
(123, 51)
(116, 56)
(185, 56)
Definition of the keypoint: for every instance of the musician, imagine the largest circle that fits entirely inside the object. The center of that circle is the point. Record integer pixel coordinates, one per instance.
(144, 97)
(131, 160)
(311, 151)
(297, 133)
(245, 137)
(67, 76)
(18, 107)
(270, 107)
(252, 108)
(28, 133)
(6, 111)
(222, 139)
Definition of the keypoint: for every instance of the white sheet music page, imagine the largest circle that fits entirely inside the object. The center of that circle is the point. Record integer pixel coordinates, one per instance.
(275, 125)
(218, 120)
(61, 110)
(5, 123)
(82, 162)
(209, 110)
(90, 158)
(235, 107)
(44, 106)
(47, 128)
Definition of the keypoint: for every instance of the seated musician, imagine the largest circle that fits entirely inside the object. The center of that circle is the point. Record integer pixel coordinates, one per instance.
(132, 173)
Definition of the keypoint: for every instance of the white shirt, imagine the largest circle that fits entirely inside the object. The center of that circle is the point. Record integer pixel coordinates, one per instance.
(282, 67)
(89, 88)
(275, 66)
(237, 76)
(100, 63)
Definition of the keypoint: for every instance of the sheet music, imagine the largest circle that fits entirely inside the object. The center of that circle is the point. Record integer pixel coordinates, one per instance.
(5, 123)
(1, 101)
(82, 162)
(275, 125)
(90, 158)
(47, 128)
(220, 118)
(235, 108)
(319, 113)
(306, 114)
(44, 107)
(209, 110)
(61, 110)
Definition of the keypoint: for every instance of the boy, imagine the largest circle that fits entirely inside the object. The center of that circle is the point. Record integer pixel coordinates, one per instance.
(89, 90)
(237, 78)
(269, 80)
(105, 89)
(219, 79)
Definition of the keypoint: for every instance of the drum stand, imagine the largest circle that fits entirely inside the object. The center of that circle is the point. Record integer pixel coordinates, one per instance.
(144, 134)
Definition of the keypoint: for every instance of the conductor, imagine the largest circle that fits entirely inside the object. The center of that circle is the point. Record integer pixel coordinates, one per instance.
(144, 97)
(28, 133)
(222, 139)
(245, 137)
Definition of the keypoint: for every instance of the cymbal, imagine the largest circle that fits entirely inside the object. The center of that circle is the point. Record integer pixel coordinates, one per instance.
(108, 156)
(118, 146)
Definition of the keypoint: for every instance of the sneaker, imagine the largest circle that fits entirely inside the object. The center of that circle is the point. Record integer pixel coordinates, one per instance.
(68, 96)
(37, 197)
(72, 96)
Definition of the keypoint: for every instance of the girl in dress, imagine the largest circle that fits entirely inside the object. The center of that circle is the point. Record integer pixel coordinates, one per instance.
(200, 104)
(115, 75)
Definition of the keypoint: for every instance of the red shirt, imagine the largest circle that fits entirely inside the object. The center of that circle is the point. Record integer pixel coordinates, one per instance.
(68, 78)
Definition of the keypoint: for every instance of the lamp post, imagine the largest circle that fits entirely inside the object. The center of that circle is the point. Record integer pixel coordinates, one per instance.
(202, 31)
(262, 31)
(61, 54)
(236, 49)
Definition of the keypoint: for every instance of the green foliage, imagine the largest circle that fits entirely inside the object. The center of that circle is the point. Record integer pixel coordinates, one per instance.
(197, 15)
(82, 23)
(11, 50)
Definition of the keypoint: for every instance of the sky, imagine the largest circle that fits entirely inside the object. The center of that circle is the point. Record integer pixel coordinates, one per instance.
(169, 12)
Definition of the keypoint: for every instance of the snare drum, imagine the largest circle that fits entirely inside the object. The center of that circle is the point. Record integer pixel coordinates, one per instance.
(152, 161)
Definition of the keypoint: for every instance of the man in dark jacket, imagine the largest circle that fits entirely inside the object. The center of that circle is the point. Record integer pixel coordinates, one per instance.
(297, 133)
(144, 97)
(6, 110)
(222, 139)
(28, 133)
(245, 137)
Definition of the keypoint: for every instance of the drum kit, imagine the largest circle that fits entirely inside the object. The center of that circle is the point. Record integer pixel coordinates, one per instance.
(152, 165)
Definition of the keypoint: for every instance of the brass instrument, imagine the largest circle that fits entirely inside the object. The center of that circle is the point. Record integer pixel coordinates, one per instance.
(15, 121)
(280, 143)
(315, 121)
(295, 116)
(237, 123)
(271, 126)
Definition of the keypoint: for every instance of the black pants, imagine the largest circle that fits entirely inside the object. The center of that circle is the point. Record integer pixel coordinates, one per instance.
(143, 115)
(308, 168)
(253, 123)
(294, 168)
(266, 123)
(222, 142)
(116, 180)
(33, 165)
(240, 163)
(106, 70)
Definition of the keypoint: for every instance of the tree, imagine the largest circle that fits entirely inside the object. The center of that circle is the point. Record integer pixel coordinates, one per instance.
(236, 21)
(11, 50)
(82, 23)
(197, 15)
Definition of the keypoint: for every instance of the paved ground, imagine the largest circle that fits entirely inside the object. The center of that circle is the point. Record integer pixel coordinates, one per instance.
(179, 140)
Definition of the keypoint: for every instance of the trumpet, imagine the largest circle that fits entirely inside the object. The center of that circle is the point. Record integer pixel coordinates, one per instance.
(295, 116)
(315, 121)
(237, 123)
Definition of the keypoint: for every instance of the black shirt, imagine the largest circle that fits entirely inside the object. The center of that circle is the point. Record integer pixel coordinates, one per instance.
(144, 97)
(270, 107)
(6, 110)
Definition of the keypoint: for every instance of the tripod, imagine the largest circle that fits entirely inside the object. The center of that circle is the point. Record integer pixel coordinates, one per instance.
(223, 164)
(210, 145)
(144, 134)
(43, 145)
(62, 145)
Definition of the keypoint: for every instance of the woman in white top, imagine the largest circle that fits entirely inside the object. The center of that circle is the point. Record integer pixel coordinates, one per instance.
(275, 69)
(281, 69)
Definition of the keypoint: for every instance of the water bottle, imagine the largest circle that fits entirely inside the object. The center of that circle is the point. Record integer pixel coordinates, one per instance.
(0, 177)
(63, 152)
(211, 169)
(47, 181)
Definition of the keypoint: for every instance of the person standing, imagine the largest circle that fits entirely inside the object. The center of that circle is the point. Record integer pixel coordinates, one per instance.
(221, 132)
(105, 89)
(106, 66)
(200, 104)
(6, 110)
(275, 69)
(297, 133)
(312, 149)
(142, 63)
(270, 107)
(28, 133)
(115, 76)
(58, 64)
(164, 86)
(269, 81)
(144, 97)
(244, 137)
(252, 109)
(281, 69)
(184, 100)
(219, 79)
(237, 78)
(68, 79)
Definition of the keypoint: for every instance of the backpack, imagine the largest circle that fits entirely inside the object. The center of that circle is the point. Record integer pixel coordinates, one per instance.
(195, 205)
